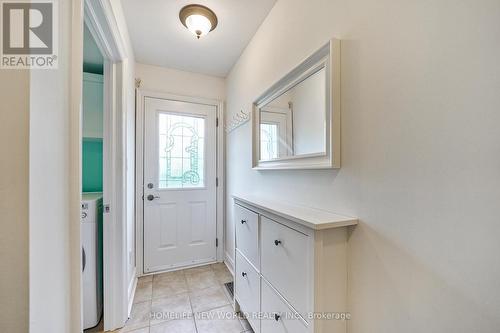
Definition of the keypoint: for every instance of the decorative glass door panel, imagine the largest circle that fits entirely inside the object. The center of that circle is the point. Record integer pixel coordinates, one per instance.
(181, 151)
(269, 141)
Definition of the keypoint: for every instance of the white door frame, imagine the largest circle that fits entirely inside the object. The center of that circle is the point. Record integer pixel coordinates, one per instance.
(139, 168)
(99, 17)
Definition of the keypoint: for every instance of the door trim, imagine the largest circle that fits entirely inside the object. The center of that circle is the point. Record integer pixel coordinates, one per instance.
(139, 169)
(101, 21)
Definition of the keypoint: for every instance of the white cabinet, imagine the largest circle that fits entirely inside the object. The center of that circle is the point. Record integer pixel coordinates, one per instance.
(247, 286)
(285, 262)
(247, 234)
(92, 106)
(277, 316)
(291, 266)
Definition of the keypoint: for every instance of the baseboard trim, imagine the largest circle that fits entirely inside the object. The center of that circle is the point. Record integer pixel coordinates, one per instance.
(229, 262)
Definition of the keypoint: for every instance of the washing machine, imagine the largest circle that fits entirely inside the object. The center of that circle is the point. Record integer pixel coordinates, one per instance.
(91, 232)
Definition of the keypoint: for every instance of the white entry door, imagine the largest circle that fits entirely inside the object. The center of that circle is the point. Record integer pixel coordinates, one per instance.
(179, 184)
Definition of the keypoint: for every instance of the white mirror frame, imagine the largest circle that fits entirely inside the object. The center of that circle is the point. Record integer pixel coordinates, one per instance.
(327, 57)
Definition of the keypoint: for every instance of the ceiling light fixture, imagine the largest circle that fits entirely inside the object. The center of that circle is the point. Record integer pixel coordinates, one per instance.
(200, 20)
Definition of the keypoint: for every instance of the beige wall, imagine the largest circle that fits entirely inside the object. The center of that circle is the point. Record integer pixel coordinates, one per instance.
(14, 139)
(180, 82)
(420, 153)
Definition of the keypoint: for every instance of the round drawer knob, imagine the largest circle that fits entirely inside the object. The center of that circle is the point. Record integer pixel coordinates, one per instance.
(243, 221)
(277, 317)
(277, 242)
(243, 274)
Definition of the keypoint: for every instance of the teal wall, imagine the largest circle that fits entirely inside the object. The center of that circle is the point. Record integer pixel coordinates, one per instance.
(91, 165)
(92, 122)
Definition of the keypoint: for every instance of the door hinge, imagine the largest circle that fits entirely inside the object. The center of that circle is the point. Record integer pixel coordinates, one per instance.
(216, 181)
(216, 242)
(217, 122)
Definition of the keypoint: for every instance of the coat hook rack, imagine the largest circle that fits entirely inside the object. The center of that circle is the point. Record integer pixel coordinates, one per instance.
(237, 120)
(138, 82)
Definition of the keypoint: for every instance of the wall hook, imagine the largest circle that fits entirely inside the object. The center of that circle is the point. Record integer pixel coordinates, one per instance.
(237, 120)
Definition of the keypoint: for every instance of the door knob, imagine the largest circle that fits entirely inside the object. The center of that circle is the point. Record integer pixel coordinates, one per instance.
(277, 317)
(243, 274)
(151, 197)
(243, 221)
(277, 242)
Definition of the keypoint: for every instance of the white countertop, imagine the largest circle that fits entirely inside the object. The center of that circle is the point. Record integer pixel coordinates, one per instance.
(310, 217)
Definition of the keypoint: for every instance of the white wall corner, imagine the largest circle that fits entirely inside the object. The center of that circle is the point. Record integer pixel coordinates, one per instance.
(229, 262)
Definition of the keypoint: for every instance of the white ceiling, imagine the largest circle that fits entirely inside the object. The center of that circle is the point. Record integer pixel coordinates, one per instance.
(159, 38)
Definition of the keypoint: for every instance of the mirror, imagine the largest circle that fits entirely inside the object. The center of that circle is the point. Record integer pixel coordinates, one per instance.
(296, 120)
(294, 123)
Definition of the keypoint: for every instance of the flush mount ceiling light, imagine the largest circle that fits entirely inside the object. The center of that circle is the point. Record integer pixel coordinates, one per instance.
(200, 20)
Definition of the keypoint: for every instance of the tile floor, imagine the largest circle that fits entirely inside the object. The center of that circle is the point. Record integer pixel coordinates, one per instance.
(189, 301)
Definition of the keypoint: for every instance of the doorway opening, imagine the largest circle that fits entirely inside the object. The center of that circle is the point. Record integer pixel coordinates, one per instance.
(103, 170)
(93, 156)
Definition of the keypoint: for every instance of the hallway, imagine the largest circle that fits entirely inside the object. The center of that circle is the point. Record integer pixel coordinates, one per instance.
(264, 166)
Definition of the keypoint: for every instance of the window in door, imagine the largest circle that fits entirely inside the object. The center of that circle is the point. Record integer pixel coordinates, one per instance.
(181, 151)
(269, 141)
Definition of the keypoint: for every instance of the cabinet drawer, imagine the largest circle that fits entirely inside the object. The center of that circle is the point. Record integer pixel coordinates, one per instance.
(247, 234)
(247, 290)
(286, 263)
(277, 317)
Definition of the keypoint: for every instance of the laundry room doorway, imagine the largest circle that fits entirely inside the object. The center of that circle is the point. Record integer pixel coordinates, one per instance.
(105, 274)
